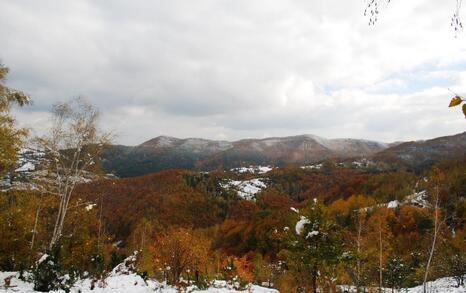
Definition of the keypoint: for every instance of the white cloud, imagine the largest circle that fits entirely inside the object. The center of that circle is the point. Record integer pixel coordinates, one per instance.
(233, 69)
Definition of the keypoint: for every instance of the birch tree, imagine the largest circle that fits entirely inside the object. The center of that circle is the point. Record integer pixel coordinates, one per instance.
(73, 147)
(437, 178)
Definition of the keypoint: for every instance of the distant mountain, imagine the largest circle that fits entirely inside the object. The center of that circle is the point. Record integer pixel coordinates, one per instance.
(418, 155)
(194, 153)
(165, 152)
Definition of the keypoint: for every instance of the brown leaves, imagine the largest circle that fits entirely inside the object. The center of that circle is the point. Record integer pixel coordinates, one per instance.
(464, 110)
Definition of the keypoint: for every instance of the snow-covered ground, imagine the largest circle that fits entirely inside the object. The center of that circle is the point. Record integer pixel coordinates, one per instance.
(118, 283)
(246, 189)
(443, 285)
(132, 283)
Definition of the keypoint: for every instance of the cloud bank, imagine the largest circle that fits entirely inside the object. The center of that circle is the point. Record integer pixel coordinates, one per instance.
(226, 69)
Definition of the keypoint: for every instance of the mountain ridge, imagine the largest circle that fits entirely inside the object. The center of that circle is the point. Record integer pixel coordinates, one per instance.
(423, 153)
(166, 152)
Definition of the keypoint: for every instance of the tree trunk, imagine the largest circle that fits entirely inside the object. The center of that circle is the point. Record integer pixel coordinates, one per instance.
(36, 220)
(380, 257)
(100, 223)
(434, 240)
(358, 262)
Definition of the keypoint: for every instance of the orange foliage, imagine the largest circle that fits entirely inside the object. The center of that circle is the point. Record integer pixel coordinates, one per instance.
(244, 268)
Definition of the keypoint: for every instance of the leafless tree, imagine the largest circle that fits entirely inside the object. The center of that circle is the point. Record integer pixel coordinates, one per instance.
(372, 11)
(456, 20)
(73, 147)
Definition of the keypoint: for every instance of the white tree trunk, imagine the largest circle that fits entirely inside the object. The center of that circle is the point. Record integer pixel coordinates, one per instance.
(380, 257)
(434, 240)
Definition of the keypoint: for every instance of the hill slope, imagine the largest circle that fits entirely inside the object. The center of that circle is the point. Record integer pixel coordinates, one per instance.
(422, 154)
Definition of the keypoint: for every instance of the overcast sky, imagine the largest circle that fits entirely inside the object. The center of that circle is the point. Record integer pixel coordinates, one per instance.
(230, 69)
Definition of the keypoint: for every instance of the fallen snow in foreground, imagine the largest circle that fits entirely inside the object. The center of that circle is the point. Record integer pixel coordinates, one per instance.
(444, 285)
(130, 283)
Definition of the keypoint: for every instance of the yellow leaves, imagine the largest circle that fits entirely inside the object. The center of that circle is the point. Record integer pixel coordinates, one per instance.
(455, 101)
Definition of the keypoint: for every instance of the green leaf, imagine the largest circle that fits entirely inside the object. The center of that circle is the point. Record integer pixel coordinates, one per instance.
(464, 110)
(455, 101)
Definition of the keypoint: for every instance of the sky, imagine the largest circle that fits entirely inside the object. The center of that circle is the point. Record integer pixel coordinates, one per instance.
(232, 69)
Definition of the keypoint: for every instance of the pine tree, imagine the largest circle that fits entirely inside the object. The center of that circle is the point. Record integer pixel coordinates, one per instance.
(396, 272)
(314, 245)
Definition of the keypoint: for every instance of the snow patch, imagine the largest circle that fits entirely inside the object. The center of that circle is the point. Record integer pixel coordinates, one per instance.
(312, 167)
(253, 169)
(443, 285)
(393, 204)
(418, 199)
(246, 189)
(300, 225)
(119, 283)
(90, 206)
(26, 167)
(312, 234)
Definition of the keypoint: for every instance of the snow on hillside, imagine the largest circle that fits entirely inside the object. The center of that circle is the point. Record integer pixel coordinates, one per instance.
(252, 169)
(418, 199)
(246, 189)
(116, 283)
(28, 166)
(29, 171)
(312, 167)
(26, 169)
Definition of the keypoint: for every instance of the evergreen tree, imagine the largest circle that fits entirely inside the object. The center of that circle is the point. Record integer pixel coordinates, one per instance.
(314, 245)
(396, 272)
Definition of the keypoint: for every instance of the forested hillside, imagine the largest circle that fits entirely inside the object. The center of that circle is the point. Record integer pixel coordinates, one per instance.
(355, 221)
